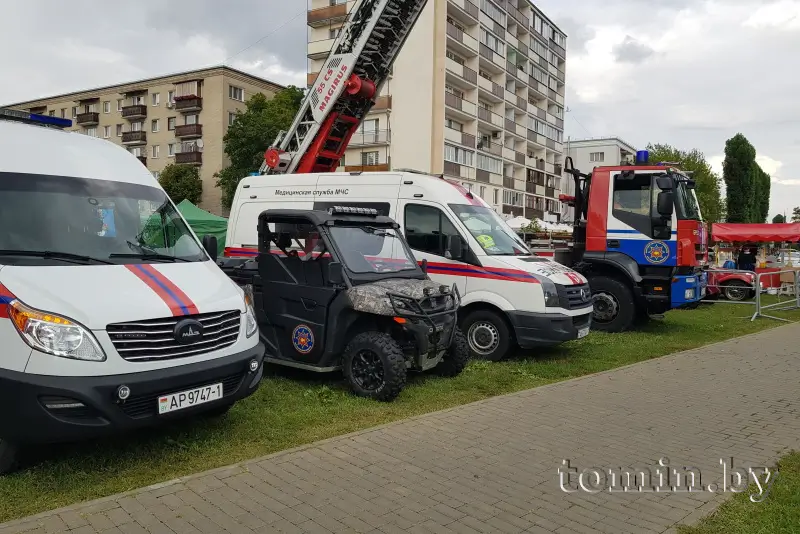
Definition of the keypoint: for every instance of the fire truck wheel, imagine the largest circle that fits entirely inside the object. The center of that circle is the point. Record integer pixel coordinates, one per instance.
(8, 456)
(614, 306)
(487, 334)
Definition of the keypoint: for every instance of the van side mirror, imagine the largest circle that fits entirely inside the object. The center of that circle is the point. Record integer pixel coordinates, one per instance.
(455, 246)
(335, 273)
(664, 183)
(210, 245)
(665, 204)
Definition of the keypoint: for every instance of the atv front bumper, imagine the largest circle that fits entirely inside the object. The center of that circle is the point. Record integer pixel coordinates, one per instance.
(431, 339)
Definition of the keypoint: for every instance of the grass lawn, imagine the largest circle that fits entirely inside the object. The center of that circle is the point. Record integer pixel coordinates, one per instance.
(779, 513)
(293, 408)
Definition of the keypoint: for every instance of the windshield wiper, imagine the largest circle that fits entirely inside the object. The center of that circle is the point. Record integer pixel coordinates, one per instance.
(147, 256)
(376, 231)
(66, 256)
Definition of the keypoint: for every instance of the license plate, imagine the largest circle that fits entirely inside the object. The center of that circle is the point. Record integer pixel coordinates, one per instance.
(583, 332)
(187, 399)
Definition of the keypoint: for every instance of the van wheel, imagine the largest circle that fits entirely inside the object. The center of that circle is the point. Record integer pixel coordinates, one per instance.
(8, 457)
(488, 335)
(374, 366)
(614, 306)
(456, 356)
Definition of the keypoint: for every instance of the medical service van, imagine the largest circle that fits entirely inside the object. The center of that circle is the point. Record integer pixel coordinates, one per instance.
(509, 296)
(113, 316)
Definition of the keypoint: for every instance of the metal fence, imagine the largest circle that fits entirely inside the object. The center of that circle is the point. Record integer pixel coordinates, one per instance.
(737, 283)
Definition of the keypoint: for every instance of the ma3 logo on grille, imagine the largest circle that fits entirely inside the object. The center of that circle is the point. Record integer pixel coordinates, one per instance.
(188, 331)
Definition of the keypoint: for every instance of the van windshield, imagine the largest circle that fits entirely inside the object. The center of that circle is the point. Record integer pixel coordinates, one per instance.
(494, 236)
(78, 220)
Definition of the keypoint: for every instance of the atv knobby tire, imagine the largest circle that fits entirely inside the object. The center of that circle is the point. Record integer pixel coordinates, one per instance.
(456, 357)
(380, 353)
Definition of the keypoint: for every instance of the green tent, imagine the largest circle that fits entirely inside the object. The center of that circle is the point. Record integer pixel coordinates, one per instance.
(205, 223)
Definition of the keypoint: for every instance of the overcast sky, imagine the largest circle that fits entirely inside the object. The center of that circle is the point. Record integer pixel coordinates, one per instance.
(690, 73)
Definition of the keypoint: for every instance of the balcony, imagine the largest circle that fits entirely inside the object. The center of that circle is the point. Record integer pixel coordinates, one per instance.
(490, 148)
(540, 164)
(459, 137)
(143, 159)
(549, 192)
(492, 118)
(458, 171)
(189, 157)
(465, 108)
(462, 74)
(134, 138)
(88, 119)
(508, 182)
(464, 10)
(382, 103)
(516, 211)
(377, 137)
(461, 42)
(320, 49)
(325, 16)
(134, 112)
(491, 61)
(518, 16)
(189, 131)
(188, 104)
(383, 167)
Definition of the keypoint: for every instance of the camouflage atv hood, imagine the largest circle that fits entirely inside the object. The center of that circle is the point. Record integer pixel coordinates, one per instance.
(373, 298)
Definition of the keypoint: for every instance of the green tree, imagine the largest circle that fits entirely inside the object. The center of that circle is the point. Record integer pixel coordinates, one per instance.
(737, 170)
(252, 133)
(182, 182)
(778, 219)
(760, 206)
(796, 215)
(707, 182)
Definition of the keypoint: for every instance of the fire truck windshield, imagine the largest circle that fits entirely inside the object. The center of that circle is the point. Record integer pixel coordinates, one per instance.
(686, 202)
(491, 232)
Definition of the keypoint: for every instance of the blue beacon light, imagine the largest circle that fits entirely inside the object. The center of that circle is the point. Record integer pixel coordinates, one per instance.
(642, 157)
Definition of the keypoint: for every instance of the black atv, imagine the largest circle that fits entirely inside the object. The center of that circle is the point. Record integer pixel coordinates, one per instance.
(341, 290)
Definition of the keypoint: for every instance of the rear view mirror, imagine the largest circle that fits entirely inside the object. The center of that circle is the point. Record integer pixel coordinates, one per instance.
(664, 183)
(455, 246)
(210, 244)
(665, 204)
(335, 273)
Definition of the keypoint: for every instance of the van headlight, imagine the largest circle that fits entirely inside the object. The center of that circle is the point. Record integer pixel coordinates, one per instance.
(54, 334)
(251, 326)
(551, 299)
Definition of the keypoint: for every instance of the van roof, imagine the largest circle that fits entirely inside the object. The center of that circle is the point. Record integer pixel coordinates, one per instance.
(33, 149)
(446, 190)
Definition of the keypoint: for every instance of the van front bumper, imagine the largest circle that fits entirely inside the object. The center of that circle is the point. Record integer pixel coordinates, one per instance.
(547, 329)
(46, 409)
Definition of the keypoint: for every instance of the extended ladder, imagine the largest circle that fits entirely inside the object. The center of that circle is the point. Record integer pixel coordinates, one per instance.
(359, 64)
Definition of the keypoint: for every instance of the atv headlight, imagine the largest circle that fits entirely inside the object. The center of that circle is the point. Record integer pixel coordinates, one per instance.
(251, 326)
(54, 334)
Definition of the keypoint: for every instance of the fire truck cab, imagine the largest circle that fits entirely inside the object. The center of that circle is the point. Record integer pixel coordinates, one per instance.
(639, 238)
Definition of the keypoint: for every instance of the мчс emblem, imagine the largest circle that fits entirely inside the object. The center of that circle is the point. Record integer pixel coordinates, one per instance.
(656, 252)
(303, 339)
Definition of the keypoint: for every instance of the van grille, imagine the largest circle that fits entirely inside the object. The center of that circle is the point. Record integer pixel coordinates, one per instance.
(153, 339)
(570, 296)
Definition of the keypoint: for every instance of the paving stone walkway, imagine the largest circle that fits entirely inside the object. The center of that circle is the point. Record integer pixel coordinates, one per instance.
(492, 466)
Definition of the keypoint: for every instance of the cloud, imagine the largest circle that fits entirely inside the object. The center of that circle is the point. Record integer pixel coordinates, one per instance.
(631, 50)
(781, 15)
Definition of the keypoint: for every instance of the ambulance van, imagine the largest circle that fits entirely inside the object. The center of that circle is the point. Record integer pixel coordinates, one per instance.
(113, 316)
(510, 297)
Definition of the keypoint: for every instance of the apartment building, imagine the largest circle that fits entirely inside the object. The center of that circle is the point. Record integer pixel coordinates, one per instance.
(178, 118)
(476, 94)
(592, 152)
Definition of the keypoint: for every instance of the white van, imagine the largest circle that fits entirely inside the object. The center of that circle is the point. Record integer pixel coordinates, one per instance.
(112, 314)
(509, 296)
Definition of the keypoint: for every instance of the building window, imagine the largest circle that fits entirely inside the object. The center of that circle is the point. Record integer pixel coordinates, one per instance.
(106, 132)
(154, 125)
(119, 130)
(455, 57)
(482, 193)
(512, 198)
(598, 157)
(137, 126)
(120, 102)
(106, 107)
(191, 119)
(494, 12)
(231, 118)
(483, 74)
(458, 155)
(427, 229)
(370, 158)
(156, 98)
(495, 198)
(91, 132)
(137, 100)
(171, 149)
(490, 164)
(491, 41)
(156, 149)
(171, 123)
(63, 113)
(52, 113)
(74, 112)
(453, 91)
(170, 97)
(236, 93)
(453, 125)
